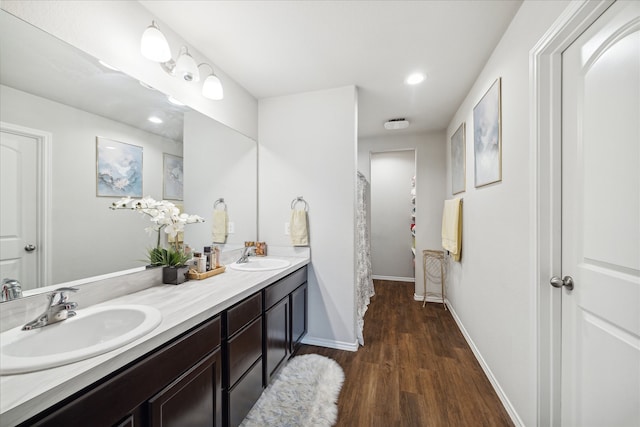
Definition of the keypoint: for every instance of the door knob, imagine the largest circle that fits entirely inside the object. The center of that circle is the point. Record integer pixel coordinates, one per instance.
(566, 281)
(29, 248)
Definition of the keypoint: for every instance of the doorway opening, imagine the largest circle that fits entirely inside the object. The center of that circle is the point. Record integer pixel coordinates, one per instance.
(393, 207)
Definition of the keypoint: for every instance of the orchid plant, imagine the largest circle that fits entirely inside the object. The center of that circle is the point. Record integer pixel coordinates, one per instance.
(164, 216)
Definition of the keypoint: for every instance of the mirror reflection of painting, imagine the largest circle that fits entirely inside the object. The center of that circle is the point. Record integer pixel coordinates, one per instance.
(487, 137)
(119, 169)
(173, 173)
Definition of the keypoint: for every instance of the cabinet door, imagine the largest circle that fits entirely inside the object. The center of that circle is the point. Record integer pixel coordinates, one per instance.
(298, 316)
(192, 400)
(245, 394)
(276, 337)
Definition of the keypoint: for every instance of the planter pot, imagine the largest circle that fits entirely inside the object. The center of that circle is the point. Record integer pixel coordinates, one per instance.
(174, 275)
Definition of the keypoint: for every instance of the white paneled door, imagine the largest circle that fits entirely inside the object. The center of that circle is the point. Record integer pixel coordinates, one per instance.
(19, 208)
(601, 223)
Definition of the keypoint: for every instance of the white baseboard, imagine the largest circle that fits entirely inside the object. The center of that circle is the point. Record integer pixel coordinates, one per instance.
(338, 345)
(394, 278)
(492, 379)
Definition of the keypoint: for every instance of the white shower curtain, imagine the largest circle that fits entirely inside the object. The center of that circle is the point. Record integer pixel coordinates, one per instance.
(364, 282)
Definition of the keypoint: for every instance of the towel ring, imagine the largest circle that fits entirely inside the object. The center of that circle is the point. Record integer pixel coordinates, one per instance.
(220, 201)
(300, 199)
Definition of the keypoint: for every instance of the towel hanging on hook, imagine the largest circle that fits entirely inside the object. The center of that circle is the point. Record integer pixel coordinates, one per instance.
(298, 226)
(219, 229)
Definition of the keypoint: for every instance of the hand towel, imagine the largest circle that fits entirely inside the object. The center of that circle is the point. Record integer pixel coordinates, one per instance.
(219, 227)
(298, 228)
(452, 227)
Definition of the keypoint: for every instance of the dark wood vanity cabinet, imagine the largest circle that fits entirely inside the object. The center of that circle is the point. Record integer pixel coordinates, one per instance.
(179, 385)
(285, 320)
(243, 361)
(211, 375)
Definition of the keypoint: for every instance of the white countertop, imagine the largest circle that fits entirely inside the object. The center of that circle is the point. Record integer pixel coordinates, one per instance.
(183, 307)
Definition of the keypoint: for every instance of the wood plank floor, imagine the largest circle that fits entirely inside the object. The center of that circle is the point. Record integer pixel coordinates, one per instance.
(415, 369)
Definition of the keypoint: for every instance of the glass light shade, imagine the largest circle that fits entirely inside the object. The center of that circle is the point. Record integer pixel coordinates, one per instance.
(186, 67)
(212, 88)
(154, 45)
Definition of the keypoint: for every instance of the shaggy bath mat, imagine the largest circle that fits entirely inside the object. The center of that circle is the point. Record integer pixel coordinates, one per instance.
(303, 394)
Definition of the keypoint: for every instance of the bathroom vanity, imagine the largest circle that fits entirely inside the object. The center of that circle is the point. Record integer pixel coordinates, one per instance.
(221, 341)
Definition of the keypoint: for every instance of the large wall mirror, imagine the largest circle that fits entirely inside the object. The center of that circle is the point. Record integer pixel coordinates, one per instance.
(56, 102)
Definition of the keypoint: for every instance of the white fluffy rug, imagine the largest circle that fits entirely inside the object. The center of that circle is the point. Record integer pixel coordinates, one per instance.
(303, 394)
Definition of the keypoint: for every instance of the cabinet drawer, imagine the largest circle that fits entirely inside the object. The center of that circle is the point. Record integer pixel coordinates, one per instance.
(244, 349)
(245, 394)
(284, 287)
(243, 313)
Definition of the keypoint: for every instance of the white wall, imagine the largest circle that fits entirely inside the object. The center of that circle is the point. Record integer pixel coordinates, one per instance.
(88, 238)
(111, 31)
(391, 240)
(489, 289)
(308, 148)
(430, 187)
(219, 163)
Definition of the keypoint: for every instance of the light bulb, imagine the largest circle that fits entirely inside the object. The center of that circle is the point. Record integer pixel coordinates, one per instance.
(186, 67)
(154, 45)
(212, 88)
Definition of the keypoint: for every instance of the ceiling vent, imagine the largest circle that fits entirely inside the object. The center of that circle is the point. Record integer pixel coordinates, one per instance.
(395, 124)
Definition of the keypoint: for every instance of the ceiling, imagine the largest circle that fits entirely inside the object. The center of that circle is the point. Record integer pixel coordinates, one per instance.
(274, 48)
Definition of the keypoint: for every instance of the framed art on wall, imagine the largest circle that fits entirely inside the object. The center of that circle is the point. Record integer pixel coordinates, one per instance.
(118, 169)
(487, 136)
(458, 160)
(172, 177)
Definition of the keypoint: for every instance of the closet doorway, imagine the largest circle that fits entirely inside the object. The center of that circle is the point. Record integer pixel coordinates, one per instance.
(392, 180)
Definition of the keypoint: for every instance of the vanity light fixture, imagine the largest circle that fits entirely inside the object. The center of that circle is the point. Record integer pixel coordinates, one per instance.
(212, 87)
(154, 46)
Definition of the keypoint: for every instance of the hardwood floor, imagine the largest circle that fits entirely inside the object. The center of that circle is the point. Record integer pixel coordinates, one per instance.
(415, 369)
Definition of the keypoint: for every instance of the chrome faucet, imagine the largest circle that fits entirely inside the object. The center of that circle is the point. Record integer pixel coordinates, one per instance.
(11, 290)
(246, 253)
(58, 309)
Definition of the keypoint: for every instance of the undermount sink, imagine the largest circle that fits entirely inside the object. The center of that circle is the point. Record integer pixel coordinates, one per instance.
(92, 331)
(261, 264)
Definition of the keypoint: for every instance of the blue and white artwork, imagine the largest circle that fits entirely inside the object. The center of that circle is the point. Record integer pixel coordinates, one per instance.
(487, 137)
(173, 171)
(119, 169)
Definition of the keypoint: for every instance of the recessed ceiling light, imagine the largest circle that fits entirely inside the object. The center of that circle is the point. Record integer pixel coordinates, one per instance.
(415, 78)
(155, 119)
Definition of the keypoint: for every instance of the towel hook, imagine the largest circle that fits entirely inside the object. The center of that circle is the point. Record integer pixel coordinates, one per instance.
(220, 201)
(300, 199)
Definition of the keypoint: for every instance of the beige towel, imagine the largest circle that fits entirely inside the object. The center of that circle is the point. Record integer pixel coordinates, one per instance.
(298, 228)
(452, 227)
(219, 227)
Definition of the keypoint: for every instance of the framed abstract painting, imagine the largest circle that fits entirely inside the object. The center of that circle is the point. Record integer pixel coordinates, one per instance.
(458, 160)
(118, 169)
(487, 136)
(172, 177)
